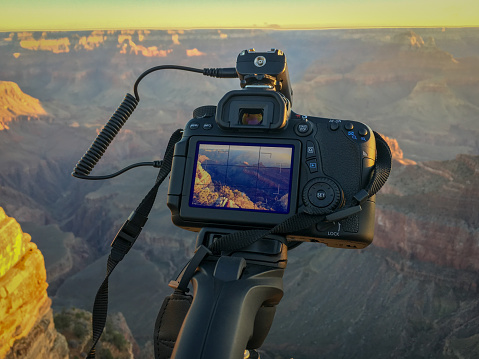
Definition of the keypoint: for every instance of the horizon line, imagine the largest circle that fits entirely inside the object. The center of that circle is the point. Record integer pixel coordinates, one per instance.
(276, 28)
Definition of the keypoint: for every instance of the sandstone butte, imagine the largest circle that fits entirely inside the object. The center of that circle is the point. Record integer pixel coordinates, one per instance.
(15, 104)
(127, 42)
(27, 329)
(396, 152)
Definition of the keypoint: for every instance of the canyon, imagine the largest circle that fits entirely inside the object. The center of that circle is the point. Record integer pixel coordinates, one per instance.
(412, 293)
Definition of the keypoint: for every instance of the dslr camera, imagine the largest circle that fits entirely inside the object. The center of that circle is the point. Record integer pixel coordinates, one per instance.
(251, 162)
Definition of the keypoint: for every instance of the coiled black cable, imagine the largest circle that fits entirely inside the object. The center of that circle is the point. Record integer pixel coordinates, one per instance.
(124, 111)
(104, 138)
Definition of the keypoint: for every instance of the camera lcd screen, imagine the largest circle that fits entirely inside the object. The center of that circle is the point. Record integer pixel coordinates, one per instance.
(242, 177)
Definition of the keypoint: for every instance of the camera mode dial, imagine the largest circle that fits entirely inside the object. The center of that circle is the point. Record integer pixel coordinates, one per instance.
(323, 194)
(204, 111)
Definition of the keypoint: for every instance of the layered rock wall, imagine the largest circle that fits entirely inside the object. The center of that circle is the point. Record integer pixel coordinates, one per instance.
(26, 322)
(429, 212)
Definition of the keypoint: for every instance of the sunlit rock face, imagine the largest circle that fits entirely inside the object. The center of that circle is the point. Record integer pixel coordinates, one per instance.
(15, 104)
(26, 322)
(396, 152)
(57, 46)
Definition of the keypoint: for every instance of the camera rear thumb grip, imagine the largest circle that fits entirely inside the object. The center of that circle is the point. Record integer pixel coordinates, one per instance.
(104, 138)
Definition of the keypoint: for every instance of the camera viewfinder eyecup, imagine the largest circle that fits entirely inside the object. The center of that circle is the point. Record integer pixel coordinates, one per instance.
(253, 109)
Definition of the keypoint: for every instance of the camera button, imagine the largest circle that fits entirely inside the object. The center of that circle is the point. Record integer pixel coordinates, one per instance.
(333, 126)
(313, 166)
(310, 150)
(349, 126)
(363, 131)
(194, 126)
(303, 128)
(207, 126)
(321, 194)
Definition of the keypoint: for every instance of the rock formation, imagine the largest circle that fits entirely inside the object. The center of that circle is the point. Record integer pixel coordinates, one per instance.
(116, 341)
(203, 178)
(57, 46)
(429, 212)
(26, 320)
(409, 39)
(397, 153)
(15, 104)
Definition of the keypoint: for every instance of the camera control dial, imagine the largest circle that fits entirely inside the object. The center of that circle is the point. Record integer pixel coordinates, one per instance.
(204, 111)
(323, 194)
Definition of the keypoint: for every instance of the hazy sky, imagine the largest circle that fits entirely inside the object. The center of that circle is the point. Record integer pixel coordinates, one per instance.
(18, 15)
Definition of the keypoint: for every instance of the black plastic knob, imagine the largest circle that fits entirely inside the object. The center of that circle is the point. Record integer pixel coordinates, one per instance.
(204, 111)
(322, 194)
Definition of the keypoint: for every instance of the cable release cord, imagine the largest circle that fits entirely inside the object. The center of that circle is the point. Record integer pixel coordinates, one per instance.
(156, 164)
(121, 115)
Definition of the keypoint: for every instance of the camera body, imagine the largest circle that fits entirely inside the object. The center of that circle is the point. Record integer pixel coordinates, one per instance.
(253, 163)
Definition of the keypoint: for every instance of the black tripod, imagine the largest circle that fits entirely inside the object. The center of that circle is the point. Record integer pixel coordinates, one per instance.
(234, 302)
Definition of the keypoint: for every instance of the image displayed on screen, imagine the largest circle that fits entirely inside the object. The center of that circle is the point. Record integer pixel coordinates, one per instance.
(242, 177)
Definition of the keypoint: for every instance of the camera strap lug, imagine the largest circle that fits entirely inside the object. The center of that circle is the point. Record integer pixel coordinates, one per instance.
(339, 215)
(362, 196)
(181, 283)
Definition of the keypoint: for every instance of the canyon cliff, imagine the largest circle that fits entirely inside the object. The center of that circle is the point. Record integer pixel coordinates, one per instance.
(428, 212)
(29, 328)
(15, 104)
(26, 320)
